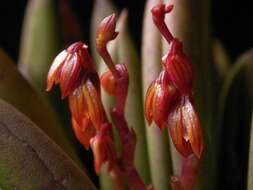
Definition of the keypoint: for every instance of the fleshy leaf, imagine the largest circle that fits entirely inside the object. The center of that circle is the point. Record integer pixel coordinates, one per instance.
(158, 143)
(234, 117)
(15, 90)
(134, 112)
(30, 160)
(39, 42)
(250, 162)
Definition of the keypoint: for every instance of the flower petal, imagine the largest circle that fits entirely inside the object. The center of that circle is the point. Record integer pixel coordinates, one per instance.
(84, 132)
(192, 126)
(165, 95)
(94, 104)
(78, 106)
(55, 69)
(177, 131)
(69, 74)
(106, 31)
(103, 149)
(148, 107)
(179, 68)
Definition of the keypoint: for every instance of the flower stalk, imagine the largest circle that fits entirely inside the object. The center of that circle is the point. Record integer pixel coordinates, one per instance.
(169, 103)
(73, 70)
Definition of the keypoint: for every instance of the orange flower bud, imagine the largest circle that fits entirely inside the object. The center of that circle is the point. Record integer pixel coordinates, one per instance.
(84, 131)
(108, 82)
(85, 102)
(103, 149)
(106, 31)
(179, 68)
(159, 11)
(160, 98)
(185, 130)
(67, 66)
(94, 104)
(148, 107)
(158, 15)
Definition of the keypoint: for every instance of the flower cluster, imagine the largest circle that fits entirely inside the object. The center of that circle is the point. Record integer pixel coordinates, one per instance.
(169, 99)
(74, 71)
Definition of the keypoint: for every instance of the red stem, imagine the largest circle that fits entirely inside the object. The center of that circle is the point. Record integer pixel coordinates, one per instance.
(189, 174)
(128, 140)
(108, 61)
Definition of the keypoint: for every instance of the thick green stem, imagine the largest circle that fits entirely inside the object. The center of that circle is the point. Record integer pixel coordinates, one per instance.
(134, 108)
(158, 144)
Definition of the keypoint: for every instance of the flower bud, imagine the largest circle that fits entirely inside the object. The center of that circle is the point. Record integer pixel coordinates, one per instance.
(106, 31)
(185, 130)
(109, 83)
(179, 68)
(159, 11)
(85, 102)
(160, 98)
(67, 66)
(84, 131)
(158, 15)
(103, 150)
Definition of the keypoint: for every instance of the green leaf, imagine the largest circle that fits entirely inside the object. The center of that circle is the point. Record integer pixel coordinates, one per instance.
(39, 42)
(15, 90)
(234, 117)
(30, 160)
(134, 106)
(221, 58)
(158, 143)
(250, 162)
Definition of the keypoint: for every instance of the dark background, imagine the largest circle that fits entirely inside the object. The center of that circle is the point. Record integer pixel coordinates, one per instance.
(231, 22)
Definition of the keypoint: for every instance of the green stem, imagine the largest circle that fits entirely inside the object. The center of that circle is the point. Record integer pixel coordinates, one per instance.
(158, 147)
(134, 108)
